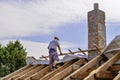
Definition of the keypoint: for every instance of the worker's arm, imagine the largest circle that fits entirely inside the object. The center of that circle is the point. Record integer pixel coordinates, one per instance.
(48, 46)
(59, 49)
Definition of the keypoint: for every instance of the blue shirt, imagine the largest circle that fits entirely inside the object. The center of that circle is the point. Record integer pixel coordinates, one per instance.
(53, 44)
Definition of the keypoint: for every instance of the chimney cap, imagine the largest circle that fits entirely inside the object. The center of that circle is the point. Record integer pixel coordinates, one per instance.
(96, 6)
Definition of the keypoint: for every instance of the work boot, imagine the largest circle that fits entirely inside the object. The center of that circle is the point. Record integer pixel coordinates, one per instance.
(53, 68)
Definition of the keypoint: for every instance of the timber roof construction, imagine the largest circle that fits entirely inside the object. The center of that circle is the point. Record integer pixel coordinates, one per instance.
(105, 66)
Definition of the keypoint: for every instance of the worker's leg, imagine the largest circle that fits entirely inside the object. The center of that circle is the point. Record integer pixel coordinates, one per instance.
(55, 59)
(54, 64)
(51, 61)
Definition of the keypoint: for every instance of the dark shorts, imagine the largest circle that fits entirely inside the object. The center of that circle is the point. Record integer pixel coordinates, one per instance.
(53, 56)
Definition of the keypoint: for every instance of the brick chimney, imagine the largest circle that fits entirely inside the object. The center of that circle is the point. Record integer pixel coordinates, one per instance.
(96, 30)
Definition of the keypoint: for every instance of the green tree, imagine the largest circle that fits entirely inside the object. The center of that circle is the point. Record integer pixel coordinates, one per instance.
(4, 70)
(13, 57)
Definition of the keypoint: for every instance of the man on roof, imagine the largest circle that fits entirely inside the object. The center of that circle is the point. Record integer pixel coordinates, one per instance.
(53, 55)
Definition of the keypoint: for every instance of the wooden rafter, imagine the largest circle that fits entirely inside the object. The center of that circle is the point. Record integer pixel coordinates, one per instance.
(16, 72)
(46, 72)
(40, 73)
(105, 66)
(23, 72)
(105, 75)
(61, 68)
(67, 70)
(84, 68)
(33, 71)
(115, 68)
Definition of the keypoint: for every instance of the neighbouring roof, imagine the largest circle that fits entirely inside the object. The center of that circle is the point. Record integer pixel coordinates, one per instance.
(114, 45)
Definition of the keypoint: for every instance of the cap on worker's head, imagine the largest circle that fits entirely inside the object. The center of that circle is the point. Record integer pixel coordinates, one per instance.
(56, 38)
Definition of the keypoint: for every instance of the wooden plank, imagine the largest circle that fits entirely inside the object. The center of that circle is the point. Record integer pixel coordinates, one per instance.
(33, 71)
(83, 75)
(23, 72)
(16, 72)
(82, 51)
(89, 50)
(115, 68)
(84, 68)
(60, 75)
(117, 77)
(105, 75)
(105, 66)
(51, 74)
(44, 57)
(110, 62)
(40, 73)
(70, 51)
(67, 70)
(98, 49)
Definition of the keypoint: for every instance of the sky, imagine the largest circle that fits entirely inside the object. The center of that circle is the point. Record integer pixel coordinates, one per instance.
(35, 22)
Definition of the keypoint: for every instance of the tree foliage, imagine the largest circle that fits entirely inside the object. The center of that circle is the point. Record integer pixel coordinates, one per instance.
(12, 57)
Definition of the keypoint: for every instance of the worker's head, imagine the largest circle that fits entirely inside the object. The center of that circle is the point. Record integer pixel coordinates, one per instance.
(56, 38)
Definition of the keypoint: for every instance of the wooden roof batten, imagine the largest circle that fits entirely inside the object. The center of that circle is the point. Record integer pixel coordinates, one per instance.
(74, 52)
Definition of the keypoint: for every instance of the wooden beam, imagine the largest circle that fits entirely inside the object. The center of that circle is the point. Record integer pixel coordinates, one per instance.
(89, 50)
(23, 72)
(40, 73)
(16, 72)
(82, 51)
(70, 51)
(115, 68)
(44, 57)
(105, 66)
(51, 74)
(110, 62)
(68, 70)
(98, 49)
(84, 68)
(105, 75)
(33, 71)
